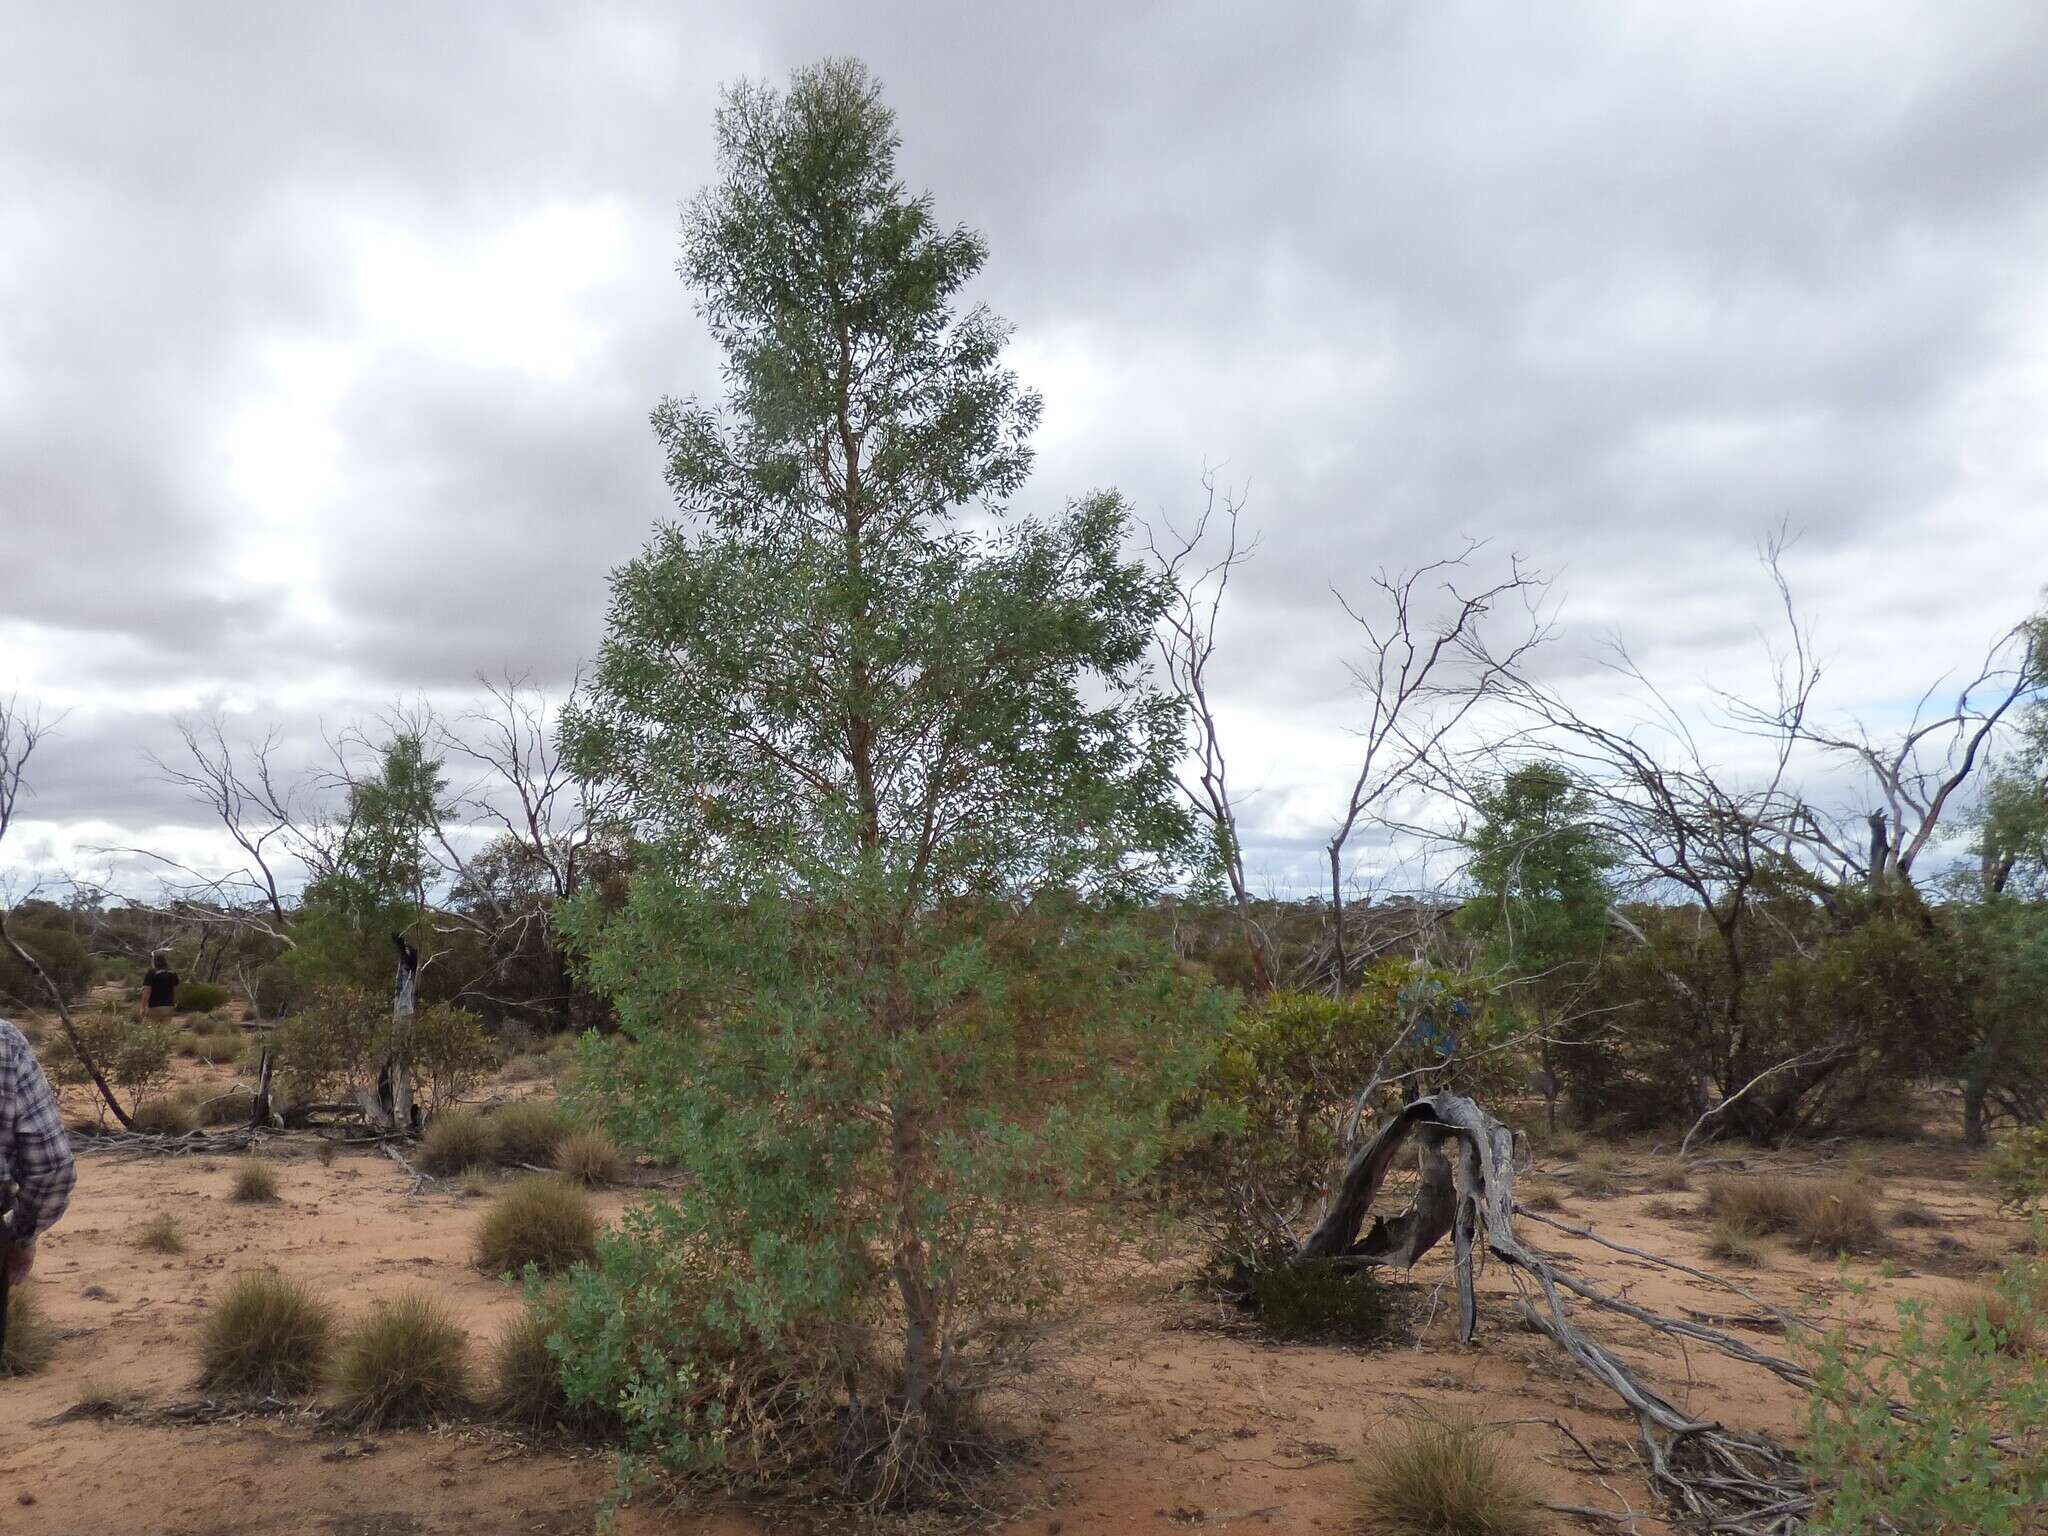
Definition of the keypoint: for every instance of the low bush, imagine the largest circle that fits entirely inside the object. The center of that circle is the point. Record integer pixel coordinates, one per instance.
(1970, 1451)
(1541, 1195)
(163, 1117)
(30, 1343)
(160, 1234)
(1833, 1214)
(527, 1133)
(588, 1157)
(2017, 1165)
(541, 1220)
(1443, 1477)
(1733, 1243)
(455, 1140)
(1669, 1174)
(1321, 1299)
(2008, 1316)
(1597, 1174)
(405, 1362)
(255, 1183)
(529, 1068)
(188, 1045)
(201, 997)
(229, 1106)
(526, 1378)
(267, 1335)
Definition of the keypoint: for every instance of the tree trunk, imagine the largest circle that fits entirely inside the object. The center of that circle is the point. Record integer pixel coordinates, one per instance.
(910, 1264)
(404, 1005)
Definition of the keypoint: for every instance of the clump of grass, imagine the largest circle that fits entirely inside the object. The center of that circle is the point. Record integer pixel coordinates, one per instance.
(1666, 1210)
(1443, 1477)
(526, 1133)
(102, 1399)
(405, 1362)
(160, 1234)
(1832, 1214)
(2007, 1315)
(588, 1157)
(1541, 1195)
(163, 1117)
(255, 1183)
(188, 1045)
(1597, 1174)
(475, 1184)
(1670, 1174)
(529, 1068)
(526, 1379)
(30, 1343)
(329, 1151)
(455, 1139)
(1733, 1243)
(541, 1220)
(235, 1106)
(1564, 1145)
(267, 1335)
(1321, 1299)
(1911, 1213)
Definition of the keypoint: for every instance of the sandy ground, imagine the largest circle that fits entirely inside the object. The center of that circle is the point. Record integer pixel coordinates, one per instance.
(1157, 1411)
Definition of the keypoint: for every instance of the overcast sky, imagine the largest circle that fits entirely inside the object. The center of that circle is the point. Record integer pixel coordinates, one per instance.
(328, 334)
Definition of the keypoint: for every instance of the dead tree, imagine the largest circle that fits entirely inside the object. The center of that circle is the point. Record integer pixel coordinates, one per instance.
(1420, 676)
(1185, 651)
(20, 733)
(1721, 1478)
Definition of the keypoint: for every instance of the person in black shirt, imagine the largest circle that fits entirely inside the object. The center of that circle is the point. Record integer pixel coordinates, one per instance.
(159, 986)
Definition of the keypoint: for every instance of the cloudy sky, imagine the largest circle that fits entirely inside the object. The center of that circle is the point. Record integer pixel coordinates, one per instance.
(328, 334)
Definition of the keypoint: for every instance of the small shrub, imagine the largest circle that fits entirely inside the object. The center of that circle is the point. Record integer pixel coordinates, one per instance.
(1542, 1195)
(1911, 1213)
(1443, 1477)
(2017, 1165)
(1833, 1214)
(1968, 1452)
(160, 1234)
(455, 1139)
(1597, 1174)
(526, 1134)
(1669, 1174)
(405, 1362)
(30, 1343)
(1321, 1299)
(255, 1183)
(541, 1220)
(216, 1050)
(2003, 1314)
(188, 1045)
(529, 1068)
(1732, 1242)
(200, 997)
(267, 1335)
(588, 1157)
(232, 1106)
(163, 1117)
(526, 1378)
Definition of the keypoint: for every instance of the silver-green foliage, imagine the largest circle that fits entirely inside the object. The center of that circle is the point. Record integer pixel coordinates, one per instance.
(892, 764)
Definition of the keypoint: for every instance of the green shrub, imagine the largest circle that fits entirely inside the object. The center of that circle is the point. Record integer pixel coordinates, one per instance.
(1443, 1477)
(337, 1044)
(30, 1343)
(267, 1334)
(1322, 1299)
(455, 1139)
(405, 1362)
(541, 1220)
(163, 1117)
(62, 955)
(133, 1051)
(160, 1234)
(255, 1183)
(2017, 1165)
(1970, 1451)
(588, 1157)
(527, 1133)
(201, 997)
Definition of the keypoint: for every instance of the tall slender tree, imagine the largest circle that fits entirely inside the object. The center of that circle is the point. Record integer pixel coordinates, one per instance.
(884, 743)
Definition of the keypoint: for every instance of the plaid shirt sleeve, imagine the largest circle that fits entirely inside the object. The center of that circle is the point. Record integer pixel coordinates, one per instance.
(35, 1152)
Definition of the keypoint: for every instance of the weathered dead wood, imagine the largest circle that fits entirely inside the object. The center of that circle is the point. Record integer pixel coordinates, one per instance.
(1720, 1478)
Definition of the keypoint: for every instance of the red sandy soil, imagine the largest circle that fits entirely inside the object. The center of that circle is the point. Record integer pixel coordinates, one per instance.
(1156, 1411)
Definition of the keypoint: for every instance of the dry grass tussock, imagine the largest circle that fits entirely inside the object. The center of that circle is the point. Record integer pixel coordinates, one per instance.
(1732, 1243)
(30, 1343)
(160, 1234)
(255, 1183)
(1597, 1174)
(1669, 1174)
(1834, 1214)
(266, 1334)
(163, 1117)
(1450, 1476)
(406, 1361)
(455, 1141)
(526, 1379)
(588, 1157)
(2016, 1315)
(541, 1220)
(526, 1134)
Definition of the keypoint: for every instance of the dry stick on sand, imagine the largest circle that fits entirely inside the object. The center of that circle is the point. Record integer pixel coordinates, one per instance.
(1720, 1478)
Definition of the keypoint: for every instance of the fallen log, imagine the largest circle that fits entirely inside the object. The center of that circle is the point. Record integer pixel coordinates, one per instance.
(1721, 1479)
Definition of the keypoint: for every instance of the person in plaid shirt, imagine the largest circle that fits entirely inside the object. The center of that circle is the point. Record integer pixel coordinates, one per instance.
(35, 1158)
